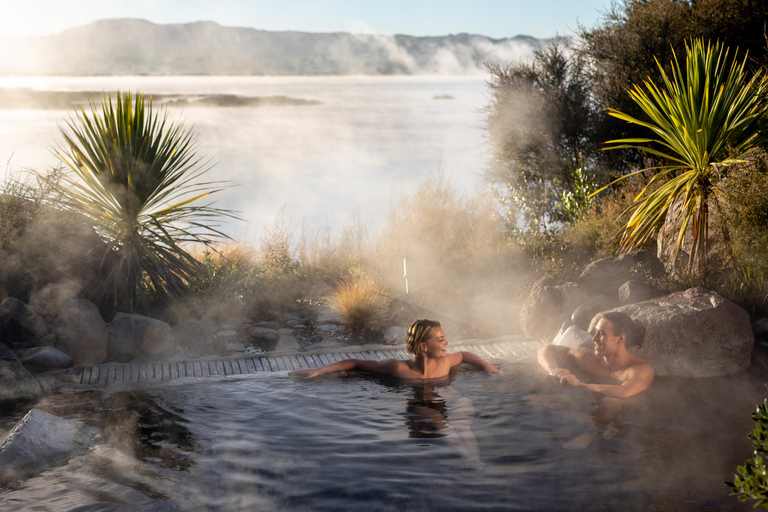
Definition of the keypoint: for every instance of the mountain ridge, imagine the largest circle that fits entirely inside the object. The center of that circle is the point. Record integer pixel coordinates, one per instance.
(134, 46)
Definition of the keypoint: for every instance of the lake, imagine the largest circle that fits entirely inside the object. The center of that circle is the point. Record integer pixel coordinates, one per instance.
(320, 164)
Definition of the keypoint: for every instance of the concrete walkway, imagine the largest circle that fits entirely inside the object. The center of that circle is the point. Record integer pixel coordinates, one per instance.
(515, 348)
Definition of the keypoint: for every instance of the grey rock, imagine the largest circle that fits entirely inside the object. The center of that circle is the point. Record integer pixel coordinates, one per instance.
(72, 376)
(587, 310)
(395, 335)
(328, 328)
(20, 326)
(550, 302)
(227, 334)
(760, 329)
(41, 441)
(695, 333)
(285, 332)
(44, 359)
(15, 381)
(606, 276)
(234, 346)
(269, 324)
(47, 382)
(573, 337)
(328, 316)
(264, 338)
(198, 336)
(287, 343)
(81, 333)
(634, 291)
(132, 336)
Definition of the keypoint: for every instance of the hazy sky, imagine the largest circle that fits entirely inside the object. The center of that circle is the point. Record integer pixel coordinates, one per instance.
(494, 18)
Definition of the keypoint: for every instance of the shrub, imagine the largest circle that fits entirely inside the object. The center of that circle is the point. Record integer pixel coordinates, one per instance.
(134, 177)
(359, 300)
(597, 231)
(742, 218)
(751, 483)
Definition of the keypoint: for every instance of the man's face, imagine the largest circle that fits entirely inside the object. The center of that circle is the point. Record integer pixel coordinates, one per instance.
(606, 343)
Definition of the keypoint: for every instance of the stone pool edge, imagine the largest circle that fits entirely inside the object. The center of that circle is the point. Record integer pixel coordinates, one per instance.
(508, 348)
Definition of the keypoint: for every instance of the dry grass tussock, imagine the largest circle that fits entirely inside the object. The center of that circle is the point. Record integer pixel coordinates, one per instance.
(359, 299)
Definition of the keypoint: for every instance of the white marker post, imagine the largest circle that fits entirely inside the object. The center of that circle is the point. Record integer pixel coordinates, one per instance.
(405, 276)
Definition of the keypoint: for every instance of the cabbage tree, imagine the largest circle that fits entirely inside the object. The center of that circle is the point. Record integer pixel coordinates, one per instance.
(704, 117)
(135, 176)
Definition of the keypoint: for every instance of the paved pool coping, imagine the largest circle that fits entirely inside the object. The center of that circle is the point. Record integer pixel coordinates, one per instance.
(515, 348)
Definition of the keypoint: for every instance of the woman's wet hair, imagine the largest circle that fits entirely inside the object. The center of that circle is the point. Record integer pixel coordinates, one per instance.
(419, 332)
(621, 323)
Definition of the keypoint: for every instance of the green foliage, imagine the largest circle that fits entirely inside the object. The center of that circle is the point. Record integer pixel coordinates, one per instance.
(751, 483)
(623, 47)
(574, 203)
(704, 117)
(597, 231)
(539, 120)
(135, 177)
(743, 217)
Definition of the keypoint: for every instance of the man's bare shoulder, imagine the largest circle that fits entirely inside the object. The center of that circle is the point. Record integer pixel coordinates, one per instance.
(641, 368)
(582, 353)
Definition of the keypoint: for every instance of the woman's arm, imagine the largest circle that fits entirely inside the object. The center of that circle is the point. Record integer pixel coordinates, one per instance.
(469, 357)
(383, 366)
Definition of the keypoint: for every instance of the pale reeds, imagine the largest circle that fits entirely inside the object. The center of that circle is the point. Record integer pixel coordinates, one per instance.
(359, 300)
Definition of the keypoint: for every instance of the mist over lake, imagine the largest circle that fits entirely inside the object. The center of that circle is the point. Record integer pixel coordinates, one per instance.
(369, 138)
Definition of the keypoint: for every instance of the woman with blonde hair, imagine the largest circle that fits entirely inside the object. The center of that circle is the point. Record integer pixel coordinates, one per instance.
(426, 342)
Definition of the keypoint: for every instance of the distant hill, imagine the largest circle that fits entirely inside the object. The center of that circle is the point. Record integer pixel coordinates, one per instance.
(139, 47)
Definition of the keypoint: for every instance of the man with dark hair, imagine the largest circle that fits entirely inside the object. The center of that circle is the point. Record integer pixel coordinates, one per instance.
(621, 374)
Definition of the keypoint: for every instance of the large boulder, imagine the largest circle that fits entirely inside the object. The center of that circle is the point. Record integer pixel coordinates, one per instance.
(587, 310)
(695, 333)
(41, 441)
(81, 333)
(20, 326)
(550, 302)
(15, 381)
(44, 359)
(606, 276)
(132, 335)
(637, 291)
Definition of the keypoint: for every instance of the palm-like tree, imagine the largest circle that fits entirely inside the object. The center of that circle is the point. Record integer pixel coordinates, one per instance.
(704, 118)
(135, 177)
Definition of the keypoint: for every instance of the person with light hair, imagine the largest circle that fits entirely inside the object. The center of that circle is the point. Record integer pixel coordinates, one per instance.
(426, 342)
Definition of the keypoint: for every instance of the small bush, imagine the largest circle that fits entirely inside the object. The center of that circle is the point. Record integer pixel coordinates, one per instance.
(742, 218)
(751, 483)
(359, 300)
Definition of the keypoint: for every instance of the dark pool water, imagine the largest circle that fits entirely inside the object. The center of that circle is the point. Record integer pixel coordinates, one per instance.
(358, 442)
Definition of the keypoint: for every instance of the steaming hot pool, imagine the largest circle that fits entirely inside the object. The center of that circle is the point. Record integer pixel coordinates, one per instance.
(360, 442)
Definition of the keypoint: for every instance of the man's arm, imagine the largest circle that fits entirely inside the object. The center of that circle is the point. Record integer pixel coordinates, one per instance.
(469, 357)
(552, 357)
(384, 366)
(639, 379)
